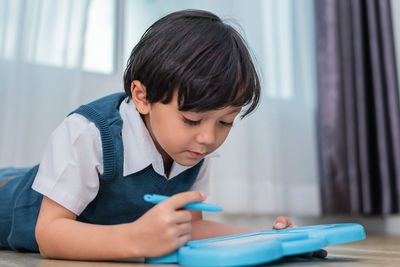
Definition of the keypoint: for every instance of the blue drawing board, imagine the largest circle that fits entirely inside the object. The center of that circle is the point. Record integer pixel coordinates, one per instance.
(262, 246)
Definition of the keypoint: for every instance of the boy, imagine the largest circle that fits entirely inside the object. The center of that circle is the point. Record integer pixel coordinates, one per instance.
(185, 83)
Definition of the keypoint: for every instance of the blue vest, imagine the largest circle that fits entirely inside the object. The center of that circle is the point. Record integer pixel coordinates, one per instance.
(119, 200)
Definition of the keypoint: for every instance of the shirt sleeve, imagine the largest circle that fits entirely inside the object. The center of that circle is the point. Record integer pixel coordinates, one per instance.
(72, 161)
(202, 183)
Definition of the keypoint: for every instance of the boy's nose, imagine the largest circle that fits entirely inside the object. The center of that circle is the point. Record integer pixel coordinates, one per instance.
(206, 136)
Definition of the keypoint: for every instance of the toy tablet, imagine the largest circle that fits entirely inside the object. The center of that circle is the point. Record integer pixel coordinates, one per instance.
(262, 246)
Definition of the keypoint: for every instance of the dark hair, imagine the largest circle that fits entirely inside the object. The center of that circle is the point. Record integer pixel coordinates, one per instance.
(195, 53)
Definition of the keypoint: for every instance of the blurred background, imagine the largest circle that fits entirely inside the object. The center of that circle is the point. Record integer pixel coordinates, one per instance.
(324, 145)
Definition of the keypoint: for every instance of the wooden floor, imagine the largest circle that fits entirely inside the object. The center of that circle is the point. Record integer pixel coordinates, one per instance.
(373, 251)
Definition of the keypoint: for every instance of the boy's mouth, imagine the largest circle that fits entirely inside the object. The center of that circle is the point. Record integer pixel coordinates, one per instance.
(196, 155)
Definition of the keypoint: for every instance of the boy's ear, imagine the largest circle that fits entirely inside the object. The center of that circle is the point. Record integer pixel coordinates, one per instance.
(138, 91)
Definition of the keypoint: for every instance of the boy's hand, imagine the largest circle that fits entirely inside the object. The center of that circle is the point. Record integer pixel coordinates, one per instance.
(284, 222)
(166, 226)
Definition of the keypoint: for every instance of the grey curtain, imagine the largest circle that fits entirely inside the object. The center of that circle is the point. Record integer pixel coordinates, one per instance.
(359, 114)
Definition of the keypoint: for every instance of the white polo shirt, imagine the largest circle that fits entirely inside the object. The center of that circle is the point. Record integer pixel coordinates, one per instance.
(73, 159)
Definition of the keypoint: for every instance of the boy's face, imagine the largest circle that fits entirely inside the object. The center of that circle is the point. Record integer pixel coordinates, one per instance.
(187, 136)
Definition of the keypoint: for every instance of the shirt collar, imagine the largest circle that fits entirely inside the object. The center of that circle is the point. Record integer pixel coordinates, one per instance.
(139, 148)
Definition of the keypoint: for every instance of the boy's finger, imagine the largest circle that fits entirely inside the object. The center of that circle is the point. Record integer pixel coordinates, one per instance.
(183, 216)
(179, 200)
(282, 222)
(183, 239)
(184, 229)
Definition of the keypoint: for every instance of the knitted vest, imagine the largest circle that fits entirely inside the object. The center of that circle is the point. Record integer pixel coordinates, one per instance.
(120, 198)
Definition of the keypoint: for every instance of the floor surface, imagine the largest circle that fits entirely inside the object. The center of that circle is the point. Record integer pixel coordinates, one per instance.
(373, 251)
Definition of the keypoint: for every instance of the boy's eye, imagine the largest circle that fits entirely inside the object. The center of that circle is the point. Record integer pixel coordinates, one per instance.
(227, 124)
(191, 122)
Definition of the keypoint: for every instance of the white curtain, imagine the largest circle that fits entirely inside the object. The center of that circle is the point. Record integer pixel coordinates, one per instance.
(278, 170)
(41, 51)
(268, 163)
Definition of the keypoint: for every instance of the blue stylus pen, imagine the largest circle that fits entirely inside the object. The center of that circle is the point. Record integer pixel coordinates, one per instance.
(154, 198)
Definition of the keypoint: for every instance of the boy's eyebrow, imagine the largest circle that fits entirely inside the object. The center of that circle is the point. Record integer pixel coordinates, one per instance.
(234, 111)
(230, 112)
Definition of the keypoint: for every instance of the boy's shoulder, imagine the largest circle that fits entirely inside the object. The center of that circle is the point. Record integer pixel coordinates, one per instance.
(103, 108)
(104, 113)
(113, 100)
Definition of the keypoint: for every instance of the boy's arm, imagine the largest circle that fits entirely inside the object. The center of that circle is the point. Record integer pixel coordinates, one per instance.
(59, 235)
(202, 229)
(159, 231)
